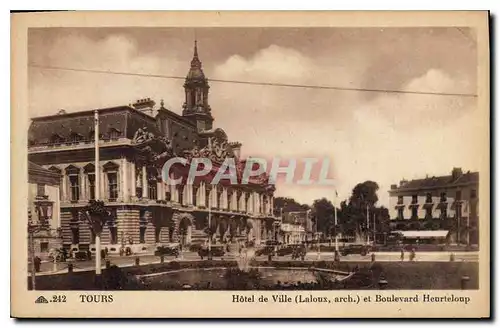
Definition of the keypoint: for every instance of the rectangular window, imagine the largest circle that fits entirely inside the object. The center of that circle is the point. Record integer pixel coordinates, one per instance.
(40, 189)
(207, 198)
(400, 199)
(458, 195)
(75, 187)
(195, 190)
(44, 247)
(473, 193)
(428, 198)
(91, 179)
(113, 186)
(443, 197)
(414, 199)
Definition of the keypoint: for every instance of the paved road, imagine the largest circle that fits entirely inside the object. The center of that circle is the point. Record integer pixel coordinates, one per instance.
(48, 267)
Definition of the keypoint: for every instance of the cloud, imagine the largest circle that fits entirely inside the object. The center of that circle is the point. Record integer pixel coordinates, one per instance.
(382, 138)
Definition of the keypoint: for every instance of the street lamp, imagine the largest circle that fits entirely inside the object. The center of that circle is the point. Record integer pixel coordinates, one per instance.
(43, 207)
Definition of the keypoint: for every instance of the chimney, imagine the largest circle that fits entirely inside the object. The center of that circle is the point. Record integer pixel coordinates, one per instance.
(403, 182)
(145, 105)
(394, 186)
(456, 173)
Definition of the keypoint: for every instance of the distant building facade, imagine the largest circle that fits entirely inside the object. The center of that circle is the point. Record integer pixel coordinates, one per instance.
(44, 209)
(438, 203)
(295, 227)
(134, 145)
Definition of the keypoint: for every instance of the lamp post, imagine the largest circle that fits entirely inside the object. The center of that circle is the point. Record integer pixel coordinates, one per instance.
(43, 208)
(32, 228)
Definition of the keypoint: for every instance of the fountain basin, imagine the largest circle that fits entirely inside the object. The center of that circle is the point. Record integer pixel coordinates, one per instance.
(261, 277)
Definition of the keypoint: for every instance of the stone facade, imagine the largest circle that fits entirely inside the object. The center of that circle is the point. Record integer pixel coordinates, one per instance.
(438, 203)
(44, 209)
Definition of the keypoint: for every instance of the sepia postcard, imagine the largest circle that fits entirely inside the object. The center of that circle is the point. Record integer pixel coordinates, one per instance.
(250, 165)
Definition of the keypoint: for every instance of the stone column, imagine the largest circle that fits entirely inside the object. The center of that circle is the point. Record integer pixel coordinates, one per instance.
(81, 177)
(64, 191)
(234, 200)
(124, 179)
(271, 205)
(173, 192)
(144, 183)
(223, 202)
(159, 190)
(185, 195)
(213, 194)
(133, 181)
(189, 192)
(242, 201)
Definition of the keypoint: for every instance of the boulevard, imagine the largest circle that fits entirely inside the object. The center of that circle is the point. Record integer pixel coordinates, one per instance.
(125, 261)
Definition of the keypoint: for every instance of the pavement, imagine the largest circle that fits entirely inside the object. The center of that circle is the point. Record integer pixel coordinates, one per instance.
(125, 261)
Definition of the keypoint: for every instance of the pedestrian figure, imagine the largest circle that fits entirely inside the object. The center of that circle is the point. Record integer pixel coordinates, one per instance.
(412, 254)
(37, 263)
(402, 254)
(106, 250)
(103, 253)
(89, 254)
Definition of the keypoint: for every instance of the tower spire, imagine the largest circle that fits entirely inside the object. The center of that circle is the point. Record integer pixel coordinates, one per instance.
(195, 62)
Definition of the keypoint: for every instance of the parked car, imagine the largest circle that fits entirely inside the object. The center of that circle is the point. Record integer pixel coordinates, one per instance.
(217, 251)
(58, 254)
(289, 249)
(299, 252)
(265, 251)
(81, 256)
(167, 250)
(355, 249)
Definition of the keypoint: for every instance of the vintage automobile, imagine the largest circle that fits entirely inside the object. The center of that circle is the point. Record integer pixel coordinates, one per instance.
(168, 250)
(58, 255)
(217, 251)
(355, 249)
(299, 252)
(81, 256)
(266, 250)
(289, 249)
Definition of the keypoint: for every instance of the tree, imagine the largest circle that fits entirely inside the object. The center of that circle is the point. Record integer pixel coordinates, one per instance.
(96, 215)
(353, 214)
(323, 216)
(285, 204)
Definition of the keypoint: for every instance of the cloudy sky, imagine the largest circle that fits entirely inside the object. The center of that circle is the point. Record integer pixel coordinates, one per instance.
(367, 135)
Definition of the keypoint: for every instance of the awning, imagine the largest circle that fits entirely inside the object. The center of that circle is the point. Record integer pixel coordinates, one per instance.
(414, 234)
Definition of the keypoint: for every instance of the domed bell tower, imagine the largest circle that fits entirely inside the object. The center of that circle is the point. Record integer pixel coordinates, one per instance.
(196, 106)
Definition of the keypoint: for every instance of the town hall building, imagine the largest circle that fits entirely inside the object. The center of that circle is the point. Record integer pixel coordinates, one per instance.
(134, 144)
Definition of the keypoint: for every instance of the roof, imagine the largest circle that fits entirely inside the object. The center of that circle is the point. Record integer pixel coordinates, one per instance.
(124, 121)
(438, 182)
(424, 233)
(38, 174)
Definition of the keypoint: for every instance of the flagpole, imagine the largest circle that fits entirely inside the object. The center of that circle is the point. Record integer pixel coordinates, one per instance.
(97, 191)
(468, 223)
(367, 226)
(210, 225)
(336, 224)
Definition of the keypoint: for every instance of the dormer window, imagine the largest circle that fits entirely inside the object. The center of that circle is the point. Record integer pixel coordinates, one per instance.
(56, 139)
(114, 134)
(75, 138)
